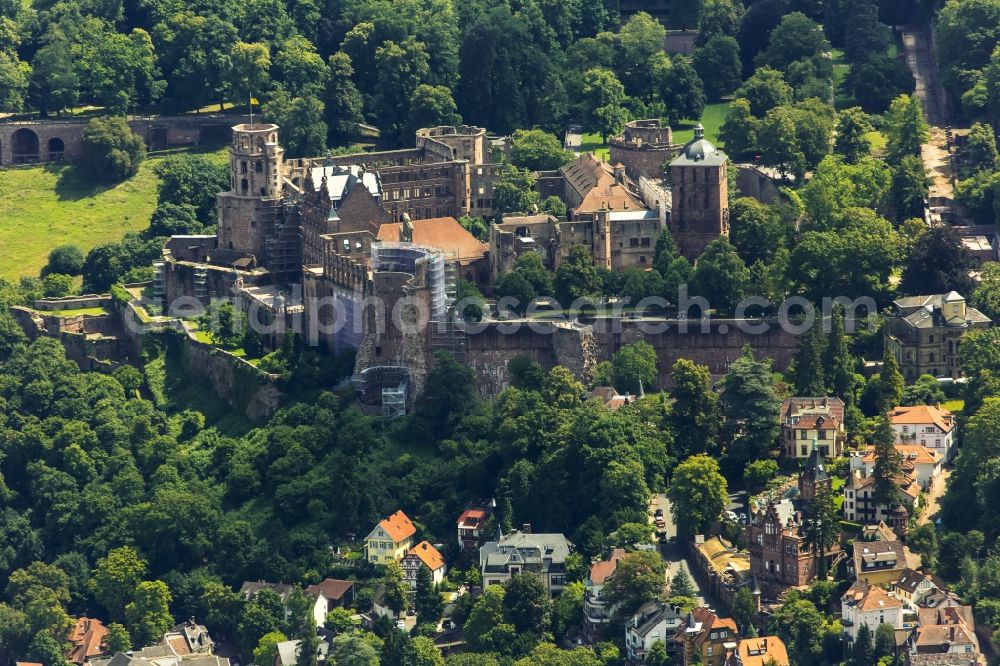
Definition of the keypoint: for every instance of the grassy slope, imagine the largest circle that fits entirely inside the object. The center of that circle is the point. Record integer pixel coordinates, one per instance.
(45, 206)
(712, 119)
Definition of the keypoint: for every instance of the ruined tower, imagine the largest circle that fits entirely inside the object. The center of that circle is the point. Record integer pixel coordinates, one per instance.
(700, 189)
(250, 209)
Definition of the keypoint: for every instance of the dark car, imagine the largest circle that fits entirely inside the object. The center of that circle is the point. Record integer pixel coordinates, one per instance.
(658, 513)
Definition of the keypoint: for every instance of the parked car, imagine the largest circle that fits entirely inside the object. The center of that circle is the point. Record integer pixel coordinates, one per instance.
(732, 517)
(658, 513)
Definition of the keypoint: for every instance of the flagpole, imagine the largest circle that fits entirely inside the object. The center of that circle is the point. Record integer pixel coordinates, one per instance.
(251, 111)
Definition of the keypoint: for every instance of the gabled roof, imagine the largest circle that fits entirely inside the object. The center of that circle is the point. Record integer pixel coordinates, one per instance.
(428, 554)
(398, 526)
(595, 184)
(472, 518)
(86, 637)
(865, 597)
(600, 571)
(911, 579)
(440, 233)
(332, 589)
(251, 588)
(762, 650)
(700, 624)
(651, 614)
(923, 415)
(878, 556)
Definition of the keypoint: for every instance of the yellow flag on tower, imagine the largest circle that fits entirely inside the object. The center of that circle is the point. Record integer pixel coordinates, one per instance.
(254, 102)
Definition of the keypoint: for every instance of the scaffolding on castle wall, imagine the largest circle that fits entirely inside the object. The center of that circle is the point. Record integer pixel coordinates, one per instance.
(384, 386)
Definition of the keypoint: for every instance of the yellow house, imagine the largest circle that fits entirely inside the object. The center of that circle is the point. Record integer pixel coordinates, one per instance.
(391, 539)
(878, 562)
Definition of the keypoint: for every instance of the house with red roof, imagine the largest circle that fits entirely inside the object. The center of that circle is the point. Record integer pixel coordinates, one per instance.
(925, 425)
(470, 526)
(424, 554)
(596, 611)
(86, 636)
(391, 539)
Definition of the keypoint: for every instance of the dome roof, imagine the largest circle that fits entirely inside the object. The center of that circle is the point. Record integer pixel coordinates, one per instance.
(699, 148)
(700, 151)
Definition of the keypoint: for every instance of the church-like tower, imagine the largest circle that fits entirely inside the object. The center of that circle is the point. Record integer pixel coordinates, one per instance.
(248, 211)
(700, 189)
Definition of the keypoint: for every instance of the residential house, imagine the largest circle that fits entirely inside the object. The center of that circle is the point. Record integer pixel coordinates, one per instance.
(189, 638)
(924, 333)
(610, 397)
(942, 660)
(391, 539)
(86, 636)
(470, 526)
(860, 505)
(250, 589)
(596, 613)
(379, 606)
(928, 426)
(655, 621)
(918, 462)
(705, 638)
(287, 653)
(723, 567)
(760, 651)
(950, 630)
(779, 556)
(329, 594)
(423, 555)
(913, 586)
(812, 423)
(868, 605)
(521, 551)
(878, 562)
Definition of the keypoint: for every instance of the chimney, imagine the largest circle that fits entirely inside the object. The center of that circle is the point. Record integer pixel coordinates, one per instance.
(526, 528)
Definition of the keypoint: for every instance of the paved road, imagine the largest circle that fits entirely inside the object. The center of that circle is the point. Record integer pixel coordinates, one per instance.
(933, 498)
(673, 554)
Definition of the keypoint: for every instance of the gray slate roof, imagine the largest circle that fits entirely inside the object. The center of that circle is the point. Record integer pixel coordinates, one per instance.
(699, 151)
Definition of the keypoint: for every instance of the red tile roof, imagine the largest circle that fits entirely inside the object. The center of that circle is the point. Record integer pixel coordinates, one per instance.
(472, 518)
(441, 233)
(331, 588)
(428, 554)
(600, 571)
(86, 637)
(398, 526)
(921, 414)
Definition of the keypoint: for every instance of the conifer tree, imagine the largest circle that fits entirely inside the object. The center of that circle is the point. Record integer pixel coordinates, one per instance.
(807, 371)
(837, 360)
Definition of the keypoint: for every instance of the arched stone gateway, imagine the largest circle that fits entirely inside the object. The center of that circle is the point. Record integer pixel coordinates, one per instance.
(57, 149)
(24, 146)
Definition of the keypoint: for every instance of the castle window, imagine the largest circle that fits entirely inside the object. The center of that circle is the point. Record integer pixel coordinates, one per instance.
(243, 167)
(633, 242)
(258, 167)
(645, 242)
(244, 186)
(642, 258)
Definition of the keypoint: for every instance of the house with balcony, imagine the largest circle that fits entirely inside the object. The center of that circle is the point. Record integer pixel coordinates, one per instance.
(470, 526)
(914, 587)
(808, 423)
(520, 551)
(865, 604)
(860, 504)
(928, 426)
(922, 464)
(596, 611)
(705, 638)
(655, 621)
(391, 539)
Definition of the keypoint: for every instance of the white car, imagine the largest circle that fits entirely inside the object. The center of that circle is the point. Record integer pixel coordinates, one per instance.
(732, 517)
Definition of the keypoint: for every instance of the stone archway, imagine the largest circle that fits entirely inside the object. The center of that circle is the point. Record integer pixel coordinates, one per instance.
(24, 146)
(56, 149)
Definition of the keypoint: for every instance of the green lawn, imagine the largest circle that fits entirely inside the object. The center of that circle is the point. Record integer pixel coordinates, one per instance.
(954, 406)
(79, 311)
(712, 118)
(592, 143)
(45, 206)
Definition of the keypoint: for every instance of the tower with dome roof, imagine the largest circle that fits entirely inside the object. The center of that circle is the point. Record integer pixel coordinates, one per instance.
(700, 189)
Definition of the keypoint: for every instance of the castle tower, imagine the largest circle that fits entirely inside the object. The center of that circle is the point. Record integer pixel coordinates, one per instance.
(248, 211)
(700, 189)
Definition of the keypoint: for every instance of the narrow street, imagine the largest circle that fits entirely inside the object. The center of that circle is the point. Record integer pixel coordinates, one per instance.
(933, 498)
(673, 553)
